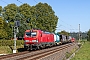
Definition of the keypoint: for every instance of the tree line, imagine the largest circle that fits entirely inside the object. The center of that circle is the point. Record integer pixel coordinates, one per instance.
(40, 16)
(88, 35)
(83, 35)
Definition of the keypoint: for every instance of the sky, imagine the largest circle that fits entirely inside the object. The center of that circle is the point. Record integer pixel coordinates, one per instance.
(71, 13)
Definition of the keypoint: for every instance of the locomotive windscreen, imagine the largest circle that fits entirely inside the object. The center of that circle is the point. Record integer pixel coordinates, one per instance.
(28, 34)
(33, 33)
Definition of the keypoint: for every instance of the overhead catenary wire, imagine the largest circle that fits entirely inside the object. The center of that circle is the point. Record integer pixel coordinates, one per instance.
(66, 27)
(35, 1)
(70, 25)
(20, 1)
(59, 27)
(4, 1)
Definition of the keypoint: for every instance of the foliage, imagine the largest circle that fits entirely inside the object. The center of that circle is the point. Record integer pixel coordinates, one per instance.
(64, 33)
(5, 50)
(25, 16)
(10, 12)
(76, 35)
(11, 42)
(25, 11)
(45, 17)
(88, 35)
(3, 34)
(39, 16)
(5, 30)
(7, 46)
(0, 9)
(1, 23)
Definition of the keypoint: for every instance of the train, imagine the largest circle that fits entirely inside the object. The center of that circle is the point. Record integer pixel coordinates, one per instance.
(38, 39)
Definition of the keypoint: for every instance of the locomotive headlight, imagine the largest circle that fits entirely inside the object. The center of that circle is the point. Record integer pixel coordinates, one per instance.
(26, 40)
(34, 40)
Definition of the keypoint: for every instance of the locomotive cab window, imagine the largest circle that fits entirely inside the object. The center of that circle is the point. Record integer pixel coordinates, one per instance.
(28, 34)
(33, 34)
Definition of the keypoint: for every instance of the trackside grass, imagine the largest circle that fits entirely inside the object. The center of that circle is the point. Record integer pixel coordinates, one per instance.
(83, 53)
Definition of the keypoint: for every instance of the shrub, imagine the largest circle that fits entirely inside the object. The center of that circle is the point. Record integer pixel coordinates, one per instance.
(11, 42)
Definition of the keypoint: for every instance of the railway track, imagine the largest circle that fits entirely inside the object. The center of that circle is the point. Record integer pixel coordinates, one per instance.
(33, 55)
(11, 55)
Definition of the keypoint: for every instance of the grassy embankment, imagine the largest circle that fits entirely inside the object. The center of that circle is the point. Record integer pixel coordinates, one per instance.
(83, 53)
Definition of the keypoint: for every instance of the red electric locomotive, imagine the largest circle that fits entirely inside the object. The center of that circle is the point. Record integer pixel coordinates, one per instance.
(35, 39)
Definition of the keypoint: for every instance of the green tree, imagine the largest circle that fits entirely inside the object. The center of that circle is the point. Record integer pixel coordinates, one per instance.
(25, 15)
(64, 33)
(88, 35)
(1, 23)
(5, 30)
(3, 34)
(44, 17)
(39, 16)
(0, 9)
(8, 30)
(25, 11)
(10, 12)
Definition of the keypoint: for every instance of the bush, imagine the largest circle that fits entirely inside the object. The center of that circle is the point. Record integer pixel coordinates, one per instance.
(11, 42)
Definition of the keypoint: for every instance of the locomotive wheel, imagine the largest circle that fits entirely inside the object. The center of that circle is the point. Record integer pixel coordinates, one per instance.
(38, 47)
